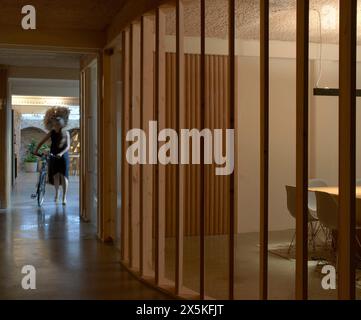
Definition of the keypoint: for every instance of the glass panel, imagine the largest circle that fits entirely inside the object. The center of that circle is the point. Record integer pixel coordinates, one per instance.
(217, 115)
(247, 155)
(323, 140)
(191, 258)
(282, 168)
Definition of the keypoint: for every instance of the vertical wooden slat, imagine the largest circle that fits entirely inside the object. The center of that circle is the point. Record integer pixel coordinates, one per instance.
(136, 123)
(180, 123)
(109, 203)
(130, 126)
(302, 150)
(347, 150)
(264, 174)
(125, 172)
(231, 90)
(100, 126)
(202, 116)
(159, 115)
(147, 114)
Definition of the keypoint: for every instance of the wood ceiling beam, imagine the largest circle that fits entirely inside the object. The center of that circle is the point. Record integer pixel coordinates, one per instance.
(131, 10)
(56, 40)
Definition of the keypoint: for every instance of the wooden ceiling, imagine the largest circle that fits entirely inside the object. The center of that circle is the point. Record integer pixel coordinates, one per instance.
(95, 15)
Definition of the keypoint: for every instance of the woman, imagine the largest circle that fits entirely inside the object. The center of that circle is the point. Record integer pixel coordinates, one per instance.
(56, 119)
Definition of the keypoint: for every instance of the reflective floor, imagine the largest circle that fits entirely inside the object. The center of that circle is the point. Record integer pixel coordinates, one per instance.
(70, 262)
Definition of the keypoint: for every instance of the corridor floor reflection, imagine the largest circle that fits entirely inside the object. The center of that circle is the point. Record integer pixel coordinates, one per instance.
(70, 262)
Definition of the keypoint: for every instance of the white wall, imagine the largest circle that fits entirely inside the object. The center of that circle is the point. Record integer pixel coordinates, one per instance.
(323, 136)
(282, 141)
(325, 127)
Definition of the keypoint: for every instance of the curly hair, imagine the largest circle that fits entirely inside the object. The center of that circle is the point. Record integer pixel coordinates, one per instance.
(56, 112)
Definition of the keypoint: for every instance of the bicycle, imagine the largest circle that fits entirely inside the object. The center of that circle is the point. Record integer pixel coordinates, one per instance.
(41, 185)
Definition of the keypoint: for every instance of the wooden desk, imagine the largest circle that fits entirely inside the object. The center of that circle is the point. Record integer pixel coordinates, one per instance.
(335, 190)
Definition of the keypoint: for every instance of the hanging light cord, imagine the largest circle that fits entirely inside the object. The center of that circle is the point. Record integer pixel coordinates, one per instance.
(320, 48)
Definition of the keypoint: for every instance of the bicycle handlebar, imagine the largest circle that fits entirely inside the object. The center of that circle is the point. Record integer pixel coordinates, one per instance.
(49, 155)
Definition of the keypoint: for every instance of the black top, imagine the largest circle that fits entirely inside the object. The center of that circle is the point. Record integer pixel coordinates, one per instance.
(58, 142)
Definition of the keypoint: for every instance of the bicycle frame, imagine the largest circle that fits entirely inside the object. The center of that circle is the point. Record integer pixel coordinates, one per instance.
(41, 185)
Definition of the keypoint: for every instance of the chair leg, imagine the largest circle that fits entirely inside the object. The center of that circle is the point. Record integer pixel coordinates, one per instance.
(291, 244)
(312, 235)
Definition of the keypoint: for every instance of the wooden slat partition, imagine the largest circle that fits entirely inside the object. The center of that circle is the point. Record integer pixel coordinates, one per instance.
(192, 121)
(302, 149)
(160, 171)
(231, 114)
(264, 147)
(216, 100)
(180, 123)
(347, 150)
(147, 114)
(125, 187)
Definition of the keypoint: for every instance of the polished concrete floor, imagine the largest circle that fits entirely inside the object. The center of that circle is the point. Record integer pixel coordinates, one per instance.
(70, 262)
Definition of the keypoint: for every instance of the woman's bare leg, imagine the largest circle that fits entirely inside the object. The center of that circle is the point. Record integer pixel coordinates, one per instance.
(65, 184)
(56, 185)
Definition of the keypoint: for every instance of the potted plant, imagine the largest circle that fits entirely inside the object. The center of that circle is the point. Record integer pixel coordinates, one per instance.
(30, 160)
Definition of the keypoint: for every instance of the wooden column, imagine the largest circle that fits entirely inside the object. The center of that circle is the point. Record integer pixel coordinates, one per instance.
(160, 173)
(5, 138)
(125, 166)
(347, 150)
(180, 93)
(83, 134)
(202, 169)
(264, 183)
(302, 150)
(108, 153)
(130, 126)
(100, 161)
(147, 114)
(136, 123)
(232, 107)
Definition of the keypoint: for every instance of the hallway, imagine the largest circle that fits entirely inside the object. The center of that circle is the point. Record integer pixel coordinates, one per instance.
(70, 262)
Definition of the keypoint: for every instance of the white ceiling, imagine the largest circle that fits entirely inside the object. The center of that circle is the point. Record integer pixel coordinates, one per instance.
(41, 87)
(34, 58)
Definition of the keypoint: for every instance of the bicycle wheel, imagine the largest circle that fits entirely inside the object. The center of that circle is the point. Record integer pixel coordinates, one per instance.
(41, 189)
